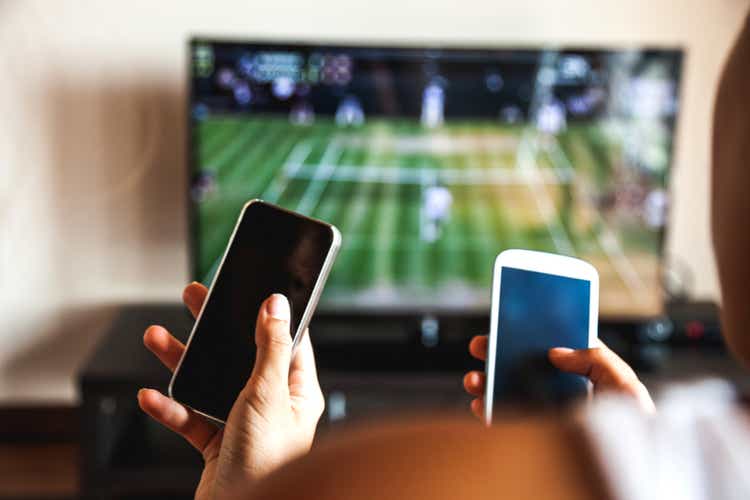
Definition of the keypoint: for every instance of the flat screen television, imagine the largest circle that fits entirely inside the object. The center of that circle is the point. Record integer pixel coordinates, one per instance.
(432, 160)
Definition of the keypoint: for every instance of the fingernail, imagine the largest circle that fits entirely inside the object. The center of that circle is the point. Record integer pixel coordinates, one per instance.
(145, 332)
(278, 307)
(561, 350)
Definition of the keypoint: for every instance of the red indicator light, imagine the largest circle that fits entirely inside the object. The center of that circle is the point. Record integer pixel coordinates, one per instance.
(695, 330)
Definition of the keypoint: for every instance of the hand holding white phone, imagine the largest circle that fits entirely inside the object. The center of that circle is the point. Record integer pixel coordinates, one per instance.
(539, 301)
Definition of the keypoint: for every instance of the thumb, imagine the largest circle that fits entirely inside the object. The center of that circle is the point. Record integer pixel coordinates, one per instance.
(274, 343)
(572, 360)
(599, 364)
(605, 369)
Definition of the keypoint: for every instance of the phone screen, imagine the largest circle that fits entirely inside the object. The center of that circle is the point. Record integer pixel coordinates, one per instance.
(538, 311)
(273, 251)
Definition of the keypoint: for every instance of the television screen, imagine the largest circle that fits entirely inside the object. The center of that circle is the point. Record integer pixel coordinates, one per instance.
(431, 161)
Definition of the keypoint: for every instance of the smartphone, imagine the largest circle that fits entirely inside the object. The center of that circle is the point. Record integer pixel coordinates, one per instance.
(539, 301)
(272, 250)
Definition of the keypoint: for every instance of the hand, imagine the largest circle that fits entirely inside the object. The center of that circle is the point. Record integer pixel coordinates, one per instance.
(273, 419)
(606, 370)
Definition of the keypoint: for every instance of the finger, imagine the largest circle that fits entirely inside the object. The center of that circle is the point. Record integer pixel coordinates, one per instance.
(304, 387)
(185, 422)
(599, 364)
(167, 348)
(477, 408)
(474, 383)
(303, 358)
(605, 369)
(193, 296)
(303, 374)
(274, 344)
(478, 347)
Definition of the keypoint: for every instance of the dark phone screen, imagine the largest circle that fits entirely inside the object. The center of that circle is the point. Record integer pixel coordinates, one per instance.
(538, 311)
(273, 251)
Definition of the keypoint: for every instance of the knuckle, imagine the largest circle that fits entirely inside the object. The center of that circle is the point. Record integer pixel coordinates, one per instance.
(595, 372)
(598, 354)
(630, 387)
(605, 360)
(320, 404)
(276, 334)
(260, 393)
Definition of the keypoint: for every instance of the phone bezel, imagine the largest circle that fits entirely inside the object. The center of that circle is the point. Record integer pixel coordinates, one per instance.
(306, 315)
(542, 262)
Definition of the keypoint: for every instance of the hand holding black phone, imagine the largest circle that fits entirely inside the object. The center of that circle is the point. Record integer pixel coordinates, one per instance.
(272, 250)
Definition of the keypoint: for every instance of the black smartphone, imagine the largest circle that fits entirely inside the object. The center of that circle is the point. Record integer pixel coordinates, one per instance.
(272, 250)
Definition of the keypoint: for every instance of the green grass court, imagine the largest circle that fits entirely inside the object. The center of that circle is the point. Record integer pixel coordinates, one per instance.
(510, 189)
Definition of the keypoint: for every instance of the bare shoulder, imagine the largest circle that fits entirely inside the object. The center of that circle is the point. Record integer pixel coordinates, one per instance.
(444, 458)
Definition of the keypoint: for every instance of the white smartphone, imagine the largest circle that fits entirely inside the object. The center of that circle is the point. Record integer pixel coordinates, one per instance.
(539, 301)
(272, 250)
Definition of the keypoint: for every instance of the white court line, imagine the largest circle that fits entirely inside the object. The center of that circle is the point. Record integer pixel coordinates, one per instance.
(319, 180)
(447, 175)
(610, 243)
(293, 163)
(433, 144)
(527, 164)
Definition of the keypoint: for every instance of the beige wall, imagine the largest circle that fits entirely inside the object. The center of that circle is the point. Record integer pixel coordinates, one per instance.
(92, 126)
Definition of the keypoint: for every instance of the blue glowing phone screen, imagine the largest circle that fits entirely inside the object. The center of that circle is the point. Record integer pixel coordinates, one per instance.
(538, 311)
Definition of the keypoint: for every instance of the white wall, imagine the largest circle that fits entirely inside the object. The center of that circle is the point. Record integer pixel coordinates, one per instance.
(92, 139)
